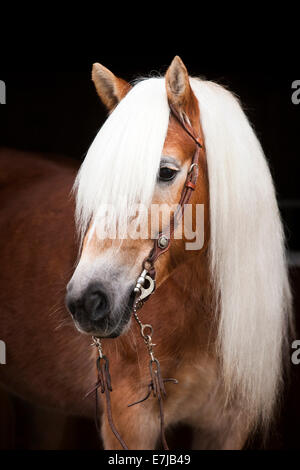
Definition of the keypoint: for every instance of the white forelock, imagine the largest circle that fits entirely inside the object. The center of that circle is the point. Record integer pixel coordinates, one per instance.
(121, 165)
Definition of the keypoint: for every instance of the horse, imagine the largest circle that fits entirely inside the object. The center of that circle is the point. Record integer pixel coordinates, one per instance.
(220, 313)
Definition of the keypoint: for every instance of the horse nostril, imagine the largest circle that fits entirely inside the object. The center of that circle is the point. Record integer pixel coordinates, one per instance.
(96, 305)
(91, 307)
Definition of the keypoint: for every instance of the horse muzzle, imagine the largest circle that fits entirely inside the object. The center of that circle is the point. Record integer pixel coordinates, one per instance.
(95, 312)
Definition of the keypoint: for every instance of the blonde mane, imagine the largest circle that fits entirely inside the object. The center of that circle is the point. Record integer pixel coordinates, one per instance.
(247, 252)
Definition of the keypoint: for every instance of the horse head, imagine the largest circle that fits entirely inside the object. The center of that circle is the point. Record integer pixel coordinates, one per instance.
(133, 177)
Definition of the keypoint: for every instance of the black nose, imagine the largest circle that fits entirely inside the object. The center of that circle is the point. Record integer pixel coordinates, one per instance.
(96, 305)
(91, 307)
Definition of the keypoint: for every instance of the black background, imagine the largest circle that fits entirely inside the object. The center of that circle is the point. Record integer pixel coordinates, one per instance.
(52, 107)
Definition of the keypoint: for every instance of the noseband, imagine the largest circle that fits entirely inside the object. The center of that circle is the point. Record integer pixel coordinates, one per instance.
(145, 286)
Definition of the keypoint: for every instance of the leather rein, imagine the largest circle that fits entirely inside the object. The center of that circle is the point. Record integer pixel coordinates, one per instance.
(144, 287)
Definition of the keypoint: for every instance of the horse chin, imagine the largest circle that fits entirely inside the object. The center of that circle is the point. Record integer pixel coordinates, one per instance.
(111, 331)
(119, 331)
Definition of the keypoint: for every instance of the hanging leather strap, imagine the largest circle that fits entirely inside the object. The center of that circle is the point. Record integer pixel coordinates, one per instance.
(104, 384)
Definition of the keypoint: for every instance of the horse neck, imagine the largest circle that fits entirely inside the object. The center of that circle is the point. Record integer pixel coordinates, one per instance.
(188, 313)
(180, 312)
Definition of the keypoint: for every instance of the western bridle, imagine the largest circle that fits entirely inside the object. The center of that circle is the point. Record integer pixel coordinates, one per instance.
(145, 286)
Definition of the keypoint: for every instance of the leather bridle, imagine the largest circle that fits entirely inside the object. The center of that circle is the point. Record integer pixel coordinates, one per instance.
(142, 293)
(162, 244)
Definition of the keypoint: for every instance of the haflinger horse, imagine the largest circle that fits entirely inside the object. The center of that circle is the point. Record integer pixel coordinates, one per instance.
(207, 347)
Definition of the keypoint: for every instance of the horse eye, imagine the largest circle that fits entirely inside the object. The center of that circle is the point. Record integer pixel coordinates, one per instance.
(166, 173)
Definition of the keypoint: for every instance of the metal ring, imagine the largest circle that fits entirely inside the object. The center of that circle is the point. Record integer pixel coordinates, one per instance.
(143, 331)
(193, 165)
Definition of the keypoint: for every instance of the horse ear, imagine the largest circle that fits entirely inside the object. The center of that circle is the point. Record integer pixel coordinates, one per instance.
(179, 91)
(110, 88)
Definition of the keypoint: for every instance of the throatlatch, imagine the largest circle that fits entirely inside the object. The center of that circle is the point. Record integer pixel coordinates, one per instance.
(144, 287)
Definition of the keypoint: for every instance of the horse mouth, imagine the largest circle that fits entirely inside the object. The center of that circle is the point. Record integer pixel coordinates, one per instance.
(114, 326)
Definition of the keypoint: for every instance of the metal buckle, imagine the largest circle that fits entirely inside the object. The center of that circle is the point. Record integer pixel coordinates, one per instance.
(193, 165)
